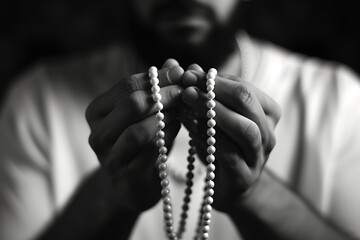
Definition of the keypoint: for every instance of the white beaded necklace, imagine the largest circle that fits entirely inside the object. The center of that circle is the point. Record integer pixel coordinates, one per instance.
(202, 231)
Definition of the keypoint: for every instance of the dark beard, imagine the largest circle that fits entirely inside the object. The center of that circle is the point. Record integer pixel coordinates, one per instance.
(211, 53)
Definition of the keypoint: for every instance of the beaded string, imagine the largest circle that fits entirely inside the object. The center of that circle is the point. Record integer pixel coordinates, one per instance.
(203, 228)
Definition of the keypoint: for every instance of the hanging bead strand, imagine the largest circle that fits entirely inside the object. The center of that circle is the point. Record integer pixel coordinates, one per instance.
(203, 228)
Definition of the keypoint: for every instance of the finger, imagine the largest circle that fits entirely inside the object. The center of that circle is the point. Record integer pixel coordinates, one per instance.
(228, 156)
(103, 104)
(240, 129)
(139, 163)
(170, 62)
(136, 138)
(238, 96)
(270, 106)
(138, 106)
(195, 67)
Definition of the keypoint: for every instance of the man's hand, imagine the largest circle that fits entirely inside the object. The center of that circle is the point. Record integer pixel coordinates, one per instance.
(123, 129)
(246, 118)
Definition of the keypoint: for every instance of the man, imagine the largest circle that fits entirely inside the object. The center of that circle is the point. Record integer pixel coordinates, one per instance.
(52, 187)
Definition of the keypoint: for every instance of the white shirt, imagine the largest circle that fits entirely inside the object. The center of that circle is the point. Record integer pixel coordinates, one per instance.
(44, 151)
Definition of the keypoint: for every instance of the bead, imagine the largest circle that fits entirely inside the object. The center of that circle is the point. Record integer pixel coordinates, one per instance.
(191, 159)
(205, 236)
(167, 200)
(156, 97)
(159, 106)
(210, 158)
(162, 166)
(207, 208)
(192, 142)
(160, 116)
(187, 199)
(207, 222)
(207, 216)
(163, 150)
(210, 167)
(210, 95)
(211, 132)
(167, 216)
(192, 150)
(167, 208)
(210, 75)
(163, 175)
(210, 82)
(206, 228)
(190, 167)
(165, 192)
(162, 158)
(164, 183)
(210, 88)
(210, 184)
(209, 200)
(211, 149)
(169, 222)
(154, 81)
(211, 113)
(211, 123)
(153, 71)
(188, 191)
(169, 229)
(190, 175)
(210, 176)
(189, 183)
(209, 192)
(160, 142)
(155, 89)
(211, 104)
(212, 70)
(160, 134)
(211, 141)
(172, 236)
(185, 208)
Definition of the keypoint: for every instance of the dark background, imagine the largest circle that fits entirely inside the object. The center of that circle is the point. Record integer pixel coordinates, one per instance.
(35, 30)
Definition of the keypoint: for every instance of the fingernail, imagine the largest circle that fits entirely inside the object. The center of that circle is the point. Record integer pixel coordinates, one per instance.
(174, 74)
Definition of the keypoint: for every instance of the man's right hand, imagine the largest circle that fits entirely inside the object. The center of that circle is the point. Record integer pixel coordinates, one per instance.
(123, 130)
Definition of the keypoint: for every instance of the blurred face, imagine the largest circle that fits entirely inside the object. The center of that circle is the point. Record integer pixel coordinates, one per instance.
(183, 22)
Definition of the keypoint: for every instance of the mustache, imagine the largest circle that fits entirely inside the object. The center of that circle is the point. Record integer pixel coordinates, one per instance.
(183, 7)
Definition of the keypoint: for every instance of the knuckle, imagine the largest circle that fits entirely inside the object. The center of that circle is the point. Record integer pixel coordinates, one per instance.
(253, 135)
(270, 144)
(132, 83)
(94, 143)
(277, 112)
(99, 142)
(243, 94)
(89, 113)
(137, 103)
(136, 136)
(92, 113)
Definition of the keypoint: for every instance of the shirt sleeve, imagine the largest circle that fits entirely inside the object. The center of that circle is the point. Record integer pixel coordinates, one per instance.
(25, 181)
(343, 176)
